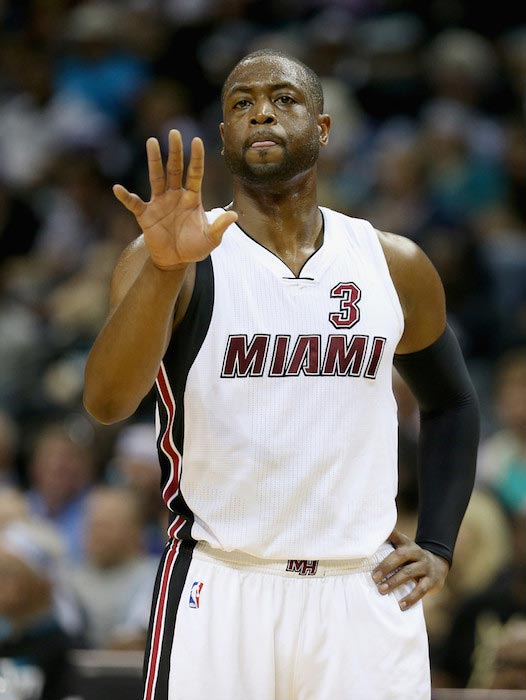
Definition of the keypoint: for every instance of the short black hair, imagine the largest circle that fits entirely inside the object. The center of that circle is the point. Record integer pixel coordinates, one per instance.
(312, 80)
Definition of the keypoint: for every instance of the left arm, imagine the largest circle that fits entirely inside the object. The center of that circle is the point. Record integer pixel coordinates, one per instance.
(430, 361)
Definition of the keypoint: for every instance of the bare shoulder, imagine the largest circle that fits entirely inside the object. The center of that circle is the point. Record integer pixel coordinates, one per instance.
(408, 264)
(396, 247)
(419, 289)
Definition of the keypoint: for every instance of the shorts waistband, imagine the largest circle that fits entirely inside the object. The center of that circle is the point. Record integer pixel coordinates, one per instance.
(293, 568)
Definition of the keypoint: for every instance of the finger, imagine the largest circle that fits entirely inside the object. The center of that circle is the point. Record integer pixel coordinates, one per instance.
(196, 167)
(174, 166)
(418, 592)
(220, 225)
(155, 167)
(398, 538)
(131, 201)
(390, 564)
(404, 575)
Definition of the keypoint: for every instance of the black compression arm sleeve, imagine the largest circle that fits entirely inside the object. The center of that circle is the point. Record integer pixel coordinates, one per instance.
(449, 434)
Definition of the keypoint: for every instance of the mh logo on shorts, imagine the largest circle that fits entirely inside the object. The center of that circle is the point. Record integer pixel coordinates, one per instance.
(303, 567)
(195, 594)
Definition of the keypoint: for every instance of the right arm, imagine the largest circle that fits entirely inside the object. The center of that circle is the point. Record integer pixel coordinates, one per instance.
(152, 282)
(126, 355)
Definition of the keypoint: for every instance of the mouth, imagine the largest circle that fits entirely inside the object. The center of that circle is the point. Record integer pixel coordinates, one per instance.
(263, 144)
(262, 140)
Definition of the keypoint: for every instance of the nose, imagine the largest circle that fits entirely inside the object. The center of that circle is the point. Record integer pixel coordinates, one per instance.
(263, 113)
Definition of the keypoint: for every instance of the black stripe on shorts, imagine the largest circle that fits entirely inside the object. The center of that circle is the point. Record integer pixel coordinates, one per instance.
(171, 578)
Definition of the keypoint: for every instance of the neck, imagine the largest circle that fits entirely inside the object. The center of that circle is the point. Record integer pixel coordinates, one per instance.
(283, 217)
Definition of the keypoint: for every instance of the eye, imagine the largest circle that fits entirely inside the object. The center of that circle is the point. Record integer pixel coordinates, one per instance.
(241, 104)
(285, 100)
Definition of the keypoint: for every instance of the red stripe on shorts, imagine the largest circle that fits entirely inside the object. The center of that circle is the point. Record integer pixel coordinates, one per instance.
(158, 623)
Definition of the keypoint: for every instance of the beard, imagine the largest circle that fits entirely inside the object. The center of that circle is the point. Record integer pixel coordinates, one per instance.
(287, 168)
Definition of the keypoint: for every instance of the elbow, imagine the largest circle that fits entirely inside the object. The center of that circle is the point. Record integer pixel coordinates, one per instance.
(463, 404)
(103, 409)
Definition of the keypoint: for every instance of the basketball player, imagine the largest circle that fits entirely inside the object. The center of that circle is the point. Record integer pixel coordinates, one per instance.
(270, 327)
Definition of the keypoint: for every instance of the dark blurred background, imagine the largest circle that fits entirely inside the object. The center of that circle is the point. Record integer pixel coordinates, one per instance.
(428, 103)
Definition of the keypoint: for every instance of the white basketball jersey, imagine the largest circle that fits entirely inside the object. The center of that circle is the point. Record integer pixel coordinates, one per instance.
(277, 428)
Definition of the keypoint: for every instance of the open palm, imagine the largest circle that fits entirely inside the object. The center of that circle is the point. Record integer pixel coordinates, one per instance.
(176, 230)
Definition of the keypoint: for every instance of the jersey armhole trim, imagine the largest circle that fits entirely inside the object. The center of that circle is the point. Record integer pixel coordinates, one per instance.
(387, 278)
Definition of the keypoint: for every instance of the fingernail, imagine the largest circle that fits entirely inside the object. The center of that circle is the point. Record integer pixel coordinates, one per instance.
(377, 576)
(403, 605)
(383, 587)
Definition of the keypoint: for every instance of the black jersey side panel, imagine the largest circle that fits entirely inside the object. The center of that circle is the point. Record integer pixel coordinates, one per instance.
(184, 346)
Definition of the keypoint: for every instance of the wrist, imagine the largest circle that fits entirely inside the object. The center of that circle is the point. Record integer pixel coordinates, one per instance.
(169, 281)
(441, 559)
(180, 267)
(438, 553)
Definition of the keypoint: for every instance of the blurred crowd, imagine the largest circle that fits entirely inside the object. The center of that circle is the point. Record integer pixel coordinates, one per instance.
(429, 141)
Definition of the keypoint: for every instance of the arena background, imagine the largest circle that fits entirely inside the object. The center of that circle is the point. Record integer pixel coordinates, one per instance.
(428, 140)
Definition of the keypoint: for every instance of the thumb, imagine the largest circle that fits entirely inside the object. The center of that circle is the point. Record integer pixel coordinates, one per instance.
(131, 201)
(220, 225)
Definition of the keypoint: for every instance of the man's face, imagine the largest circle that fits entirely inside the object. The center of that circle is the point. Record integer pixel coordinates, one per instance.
(113, 531)
(60, 470)
(272, 130)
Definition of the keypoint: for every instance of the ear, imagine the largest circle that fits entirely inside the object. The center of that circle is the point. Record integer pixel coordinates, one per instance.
(324, 127)
(222, 133)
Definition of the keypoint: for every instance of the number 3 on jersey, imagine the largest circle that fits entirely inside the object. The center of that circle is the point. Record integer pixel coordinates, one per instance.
(349, 313)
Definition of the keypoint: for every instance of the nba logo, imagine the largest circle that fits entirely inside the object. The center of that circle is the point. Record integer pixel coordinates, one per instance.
(195, 594)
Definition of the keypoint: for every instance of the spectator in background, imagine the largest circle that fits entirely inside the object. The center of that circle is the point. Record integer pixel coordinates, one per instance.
(115, 585)
(462, 72)
(484, 548)
(35, 114)
(162, 105)
(72, 310)
(95, 65)
(386, 47)
(399, 201)
(19, 224)
(21, 345)
(14, 509)
(480, 629)
(502, 458)
(348, 136)
(80, 213)
(61, 474)
(469, 286)
(8, 450)
(511, 44)
(13, 505)
(31, 635)
(135, 464)
(510, 658)
(515, 160)
(461, 181)
(504, 250)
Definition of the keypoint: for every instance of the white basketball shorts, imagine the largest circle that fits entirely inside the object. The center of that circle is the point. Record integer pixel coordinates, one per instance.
(229, 626)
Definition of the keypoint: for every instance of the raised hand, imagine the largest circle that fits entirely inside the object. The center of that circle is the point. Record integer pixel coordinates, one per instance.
(176, 231)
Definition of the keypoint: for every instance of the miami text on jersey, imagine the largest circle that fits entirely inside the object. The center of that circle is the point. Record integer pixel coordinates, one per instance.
(309, 355)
